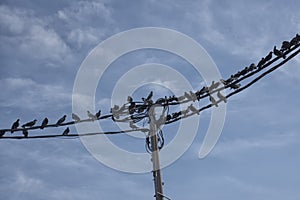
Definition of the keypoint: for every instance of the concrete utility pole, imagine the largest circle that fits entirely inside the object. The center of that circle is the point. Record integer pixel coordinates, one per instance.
(154, 126)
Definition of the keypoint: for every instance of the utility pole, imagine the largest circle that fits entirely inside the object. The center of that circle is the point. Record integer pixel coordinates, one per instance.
(154, 126)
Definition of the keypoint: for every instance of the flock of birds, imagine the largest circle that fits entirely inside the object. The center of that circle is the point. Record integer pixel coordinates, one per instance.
(140, 110)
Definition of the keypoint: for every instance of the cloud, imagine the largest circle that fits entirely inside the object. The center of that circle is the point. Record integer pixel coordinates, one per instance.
(26, 35)
(28, 94)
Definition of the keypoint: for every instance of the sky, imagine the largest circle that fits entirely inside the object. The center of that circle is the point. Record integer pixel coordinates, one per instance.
(43, 44)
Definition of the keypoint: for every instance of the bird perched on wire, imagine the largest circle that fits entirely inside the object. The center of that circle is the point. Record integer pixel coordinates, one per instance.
(269, 56)
(193, 109)
(193, 96)
(149, 97)
(295, 40)
(235, 86)
(278, 53)
(66, 131)
(25, 133)
(44, 123)
(2, 132)
(29, 124)
(188, 96)
(213, 86)
(98, 114)
(91, 116)
(286, 45)
(261, 63)
(61, 120)
(252, 67)
(75, 117)
(133, 126)
(213, 101)
(15, 125)
(129, 99)
(220, 96)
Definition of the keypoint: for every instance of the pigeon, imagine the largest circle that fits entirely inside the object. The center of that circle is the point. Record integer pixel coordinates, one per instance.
(193, 96)
(213, 86)
(66, 131)
(61, 120)
(29, 124)
(193, 109)
(44, 123)
(2, 132)
(129, 99)
(15, 125)
(213, 101)
(278, 53)
(132, 125)
(91, 116)
(244, 71)
(149, 96)
(75, 117)
(169, 117)
(261, 63)
(252, 67)
(25, 133)
(295, 40)
(223, 82)
(285, 46)
(235, 86)
(203, 90)
(268, 57)
(188, 96)
(220, 96)
(98, 114)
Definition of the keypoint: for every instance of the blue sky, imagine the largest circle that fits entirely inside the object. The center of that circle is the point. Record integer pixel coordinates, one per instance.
(43, 44)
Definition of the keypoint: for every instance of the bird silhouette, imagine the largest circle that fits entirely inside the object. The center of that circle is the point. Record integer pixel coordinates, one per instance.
(132, 125)
(66, 131)
(235, 86)
(286, 45)
(278, 53)
(25, 133)
(213, 101)
(193, 109)
(75, 117)
(261, 63)
(295, 40)
(61, 120)
(98, 114)
(220, 96)
(2, 132)
(29, 124)
(268, 57)
(44, 123)
(15, 125)
(129, 99)
(91, 116)
(252, 67)
(149, 97)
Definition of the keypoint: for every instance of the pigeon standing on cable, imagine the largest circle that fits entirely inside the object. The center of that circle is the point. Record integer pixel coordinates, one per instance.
(44, 123)
(25, 133)
(220, 96)
(188, 96)
(286, 45)
(132, 125)
(235, 86)
(91, 116)
(268, 57)
(252, 67)
(75, 117)
(278, 53)
(129, 99)
(261, 63)
(295, 40)
(213, 86)
(15, 125)
(213, 101)
(61, 120)
(29, 124)
(98, 114)
(2, 132)
(66, 131)
(193, 109)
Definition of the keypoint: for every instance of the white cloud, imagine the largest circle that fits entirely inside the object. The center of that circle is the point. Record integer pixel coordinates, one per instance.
(26, 93)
